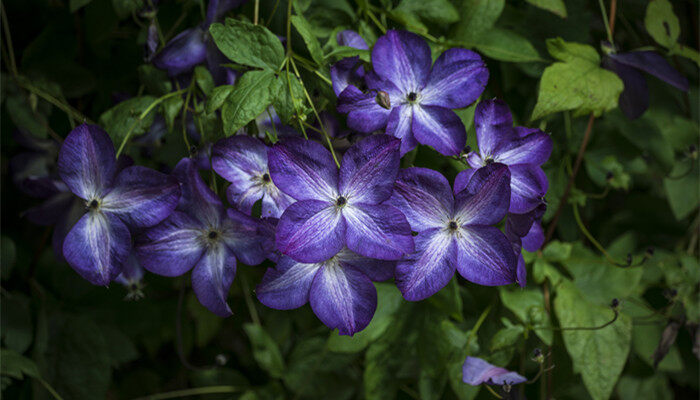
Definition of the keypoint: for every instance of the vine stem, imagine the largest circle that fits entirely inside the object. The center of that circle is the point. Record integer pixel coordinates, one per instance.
(248, 301)
(191, 392)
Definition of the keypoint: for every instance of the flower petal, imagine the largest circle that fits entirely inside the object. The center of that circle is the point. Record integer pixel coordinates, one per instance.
(351, 39)
(142, 197)
(457, 79)
(424, 197)
(634, 99)
(399, 125)
(287, 286)
(476, 371)
(377, 231)
(528, 184)
(369, 169)
(86, 161)
(246, 237)
(403, 58)
(346, 72)
(364, 113)
(52, 209)
(494, 124)
(440, 128)
(303, 169)
(486, 198)
(197, 198)
(212, 278)
(343, 298)
(183, 52)
(655, 64)
(534, 148)
(462, 179)
(172, 247)
(430, 268)
(97, 246)
(376, 270)
(311, 231)
(485, 256)
(132, 272)
(534, 238)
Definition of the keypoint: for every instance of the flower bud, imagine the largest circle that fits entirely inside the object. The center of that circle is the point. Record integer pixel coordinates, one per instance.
(614, 304)
(383, 99)
(650, 252)
(537, 356)
(693, 151)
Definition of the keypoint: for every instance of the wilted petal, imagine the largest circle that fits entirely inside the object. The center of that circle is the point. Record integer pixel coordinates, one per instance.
(494, 124)
(369, 169)
(430, 268)
(424, 197)
(528, 184)
(172, 247)
(534, 238)
(634, 99)
(364, 113)
(303, 169)
(142, 197)
(287, 286)
(476, 371)
(440, 128)
(485, 256)
(351, 39)
(403, 58)
(97, 246)
(377, 231)
(457, 79)
(212, 278)
(343, 298)
(655, 64)
(86, 161)
(311, 231)
(376, 270)
(399, 126)
(183, 52)
(486, 198)
(246, 237)
(531, 149)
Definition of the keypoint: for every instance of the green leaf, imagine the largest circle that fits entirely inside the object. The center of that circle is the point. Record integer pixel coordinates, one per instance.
(687, 52)
(250, 96)
(661, 23)
(683, 193)
(16, 365)
(17, 326)
(504, 45)
(207, 324)
(8, 256)
(599, 167)
(302, 26)
(345, 51)
(218, 97)
(528, 306)
(315, 373)
(172, 108)
(598, 355)
(432, 11)
(248, 44)
(648, 387)
(506, 337)
(119, 119)
(557, 251)
(476, 18)
(204, 80)
(577, 83)
(265, 350)
(155, 80)
(124, 8)
(554, 6)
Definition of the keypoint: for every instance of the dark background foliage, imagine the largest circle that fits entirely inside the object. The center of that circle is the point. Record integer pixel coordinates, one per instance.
(637, 188)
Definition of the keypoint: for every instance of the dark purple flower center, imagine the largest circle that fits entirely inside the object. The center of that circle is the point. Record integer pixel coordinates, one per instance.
(266, 177)
(452, 225)
(412, 97)
(341, 201)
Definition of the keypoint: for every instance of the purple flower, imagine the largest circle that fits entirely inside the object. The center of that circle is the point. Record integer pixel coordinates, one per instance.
(351, 39)
(339, 289)
(412, 100)
(522, 149)
(634, 100)
(454, 230)
(348, 71)
(135, 197)
(203, 235)
(337, 209)
(242, 160)
(476, 371)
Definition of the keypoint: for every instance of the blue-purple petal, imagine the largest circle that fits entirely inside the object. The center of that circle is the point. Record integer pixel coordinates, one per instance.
(364, 113)
(351, 39)
(212, 278)
(634, 99)
(486, 198)
(528, 185)
(430, 268)
(476, 371)
(494, 125)
(87, 162)
(311, 231)
(183, 52)
(247, 237)
(440, 128)
(534, 239)
(346, 72)
(287, 285)
(378, 231)
(303, 169)
(423, 195)
(376, 270)
(457, 79)
(654, 64)
(369, 169)
(485, 256)
(402, 58)
(399, 125)
(534, 148)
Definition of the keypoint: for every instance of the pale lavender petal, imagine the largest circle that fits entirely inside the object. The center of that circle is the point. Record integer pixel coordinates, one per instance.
(246, 237)
(183, 52)
(531, 149)
(476, 371)
(311, 231)
(303, 169)
(97, 246)
(87, 162)
(212, 278)
(655, 64)
(474, 160)
(457, 79)
(486, 198)
(364, 113)
(287, 286)
(440, 128)
(399, 125)
(494, 125)
(343, 298)
(430, 268)
(172, 247)
(423, 195)
(351, 39)
(376, 270)
(485, 256)
(369, 169)
(377, 231)
(142, 197)
(403, 58)
(242, 160)
(528, 184)
(534, 238)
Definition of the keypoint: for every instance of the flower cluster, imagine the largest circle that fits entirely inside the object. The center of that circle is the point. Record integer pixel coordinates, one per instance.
(332, 225)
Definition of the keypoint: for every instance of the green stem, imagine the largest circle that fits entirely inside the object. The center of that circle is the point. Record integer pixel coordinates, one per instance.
(72, 112)
(592, 239)
(191, 392)
(493, 392)
(475, 329)
(605, 21)
(49, 388)
(248, 301)
(184, 114)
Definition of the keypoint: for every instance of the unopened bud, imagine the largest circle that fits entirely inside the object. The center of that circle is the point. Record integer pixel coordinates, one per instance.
(629, 259)
(537, 356)
(693, 151)
(193, 150)
(650, 252)
(383, 99)
(614, 303)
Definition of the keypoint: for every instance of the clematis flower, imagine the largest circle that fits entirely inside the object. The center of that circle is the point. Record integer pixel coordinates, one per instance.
(203, 235)
(454, 231)
(339, 289)
(337, 209)
(349, 70)
(135, 197)
(413, 100)
(352, 39)
(522, 149)
(242, 160)
(634, 99)
(476, 371)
